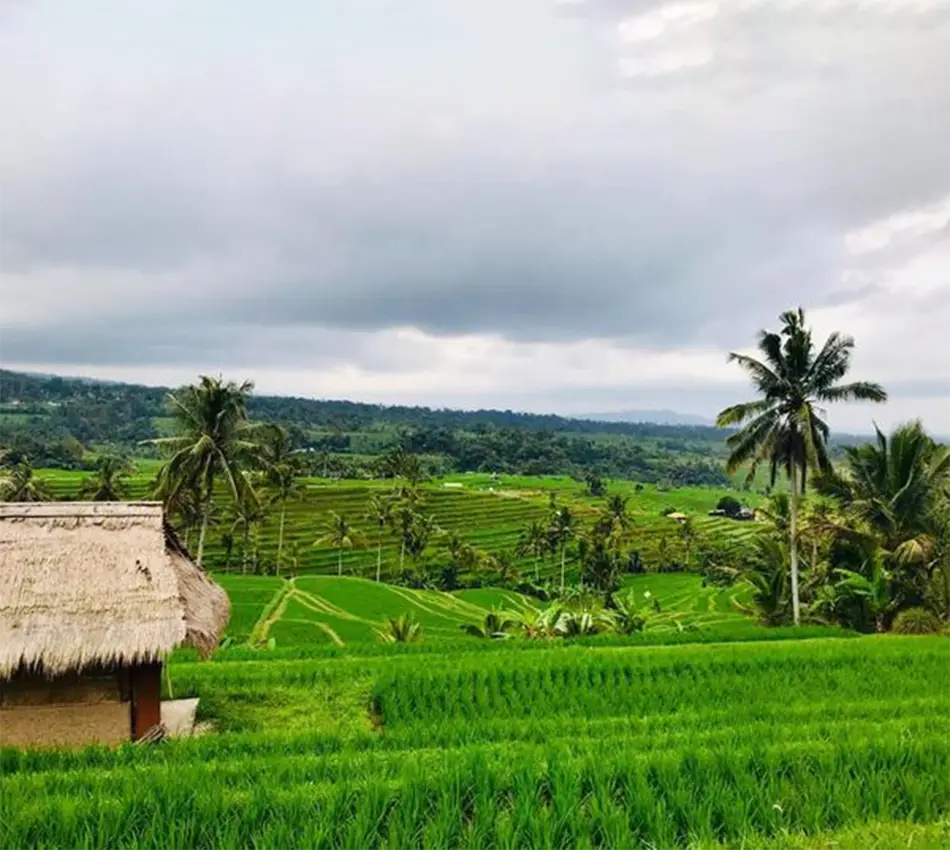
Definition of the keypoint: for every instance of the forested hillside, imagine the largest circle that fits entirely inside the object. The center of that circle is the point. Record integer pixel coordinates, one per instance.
(64, 422)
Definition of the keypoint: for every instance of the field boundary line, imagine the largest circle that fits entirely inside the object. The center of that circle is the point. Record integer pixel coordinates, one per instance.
(272, 612)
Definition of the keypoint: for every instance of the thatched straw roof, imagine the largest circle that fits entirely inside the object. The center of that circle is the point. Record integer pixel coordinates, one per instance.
(85, 583)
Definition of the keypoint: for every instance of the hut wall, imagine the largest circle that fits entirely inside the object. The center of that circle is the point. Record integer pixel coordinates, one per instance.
(68, 710)
(65, 725)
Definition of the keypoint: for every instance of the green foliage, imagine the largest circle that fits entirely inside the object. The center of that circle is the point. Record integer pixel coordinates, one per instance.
(110, 481)
(18, 483)
(916, 621)
(401, 629)
(496, 625)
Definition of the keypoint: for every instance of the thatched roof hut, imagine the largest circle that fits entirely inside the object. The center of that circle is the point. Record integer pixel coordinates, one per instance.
(92, 591)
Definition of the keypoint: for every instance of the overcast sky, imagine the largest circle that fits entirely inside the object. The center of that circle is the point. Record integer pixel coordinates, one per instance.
(552, 206)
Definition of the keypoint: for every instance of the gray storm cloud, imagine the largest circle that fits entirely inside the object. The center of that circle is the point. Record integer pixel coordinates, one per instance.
(159, 208)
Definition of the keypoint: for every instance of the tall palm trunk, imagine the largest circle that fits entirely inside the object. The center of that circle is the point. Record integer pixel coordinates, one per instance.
(203, 532)
(339, 561)
(245, 555)
(402, 555)
(379, 555)
(793, 542)
(205, 510)
(280, 533)
(563, 564)
(537, 569)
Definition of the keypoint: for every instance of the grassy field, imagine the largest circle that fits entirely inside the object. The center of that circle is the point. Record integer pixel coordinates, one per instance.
(809, 743)
(485, 512)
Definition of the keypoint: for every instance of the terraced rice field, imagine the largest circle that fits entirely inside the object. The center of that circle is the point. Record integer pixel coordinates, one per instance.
(483, 512)
(326, 611)
(822, 743)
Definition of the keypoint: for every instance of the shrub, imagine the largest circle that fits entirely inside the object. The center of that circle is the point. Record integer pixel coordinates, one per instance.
(729, 505)
(916, 621)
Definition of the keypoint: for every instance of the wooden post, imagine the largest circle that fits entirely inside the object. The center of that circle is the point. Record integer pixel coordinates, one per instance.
(146, 698)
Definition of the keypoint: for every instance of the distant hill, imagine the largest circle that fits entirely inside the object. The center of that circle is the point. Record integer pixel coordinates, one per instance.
(657, 417)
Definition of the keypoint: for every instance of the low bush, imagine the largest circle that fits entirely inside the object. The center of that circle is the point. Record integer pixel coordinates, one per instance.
(916, 621)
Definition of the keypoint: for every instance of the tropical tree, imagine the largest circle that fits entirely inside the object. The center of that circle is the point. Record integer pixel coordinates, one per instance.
(616, 511)
(768, 574)
(534, 541)
(873, 589)
(340, 534)
(687, 534)
(20, 484)
(245, 514)
(627, 620)
(561, 532)
(893, 485)
(379, 512)
(783, 428)
(108, 483)
(496, 625)
(281, 469)
(421, 530)
(541, 624)
(215, 440)
(401, 629)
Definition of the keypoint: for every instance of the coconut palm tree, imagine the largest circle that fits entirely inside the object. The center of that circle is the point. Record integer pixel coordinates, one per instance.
(281, 468)
(561, 532)
(20, 484)
(783, 428)
(245, 514)
(380, 513)
(534, 540)
(108, 484)
(339, 533)
(892, 485)
(688, 535)
(616, 510)
(215, 441)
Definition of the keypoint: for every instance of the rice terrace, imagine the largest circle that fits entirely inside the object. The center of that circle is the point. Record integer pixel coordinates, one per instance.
(415, 657)
(474, 425)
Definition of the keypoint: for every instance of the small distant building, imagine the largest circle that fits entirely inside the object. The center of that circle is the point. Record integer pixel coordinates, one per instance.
(745, 514)
(93, 596)
(679, 517)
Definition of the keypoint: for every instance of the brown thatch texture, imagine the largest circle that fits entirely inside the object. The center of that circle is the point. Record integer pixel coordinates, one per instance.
(98, 583)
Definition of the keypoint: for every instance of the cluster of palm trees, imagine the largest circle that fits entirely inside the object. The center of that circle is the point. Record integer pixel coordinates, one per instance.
(876, 534)
(598, 545)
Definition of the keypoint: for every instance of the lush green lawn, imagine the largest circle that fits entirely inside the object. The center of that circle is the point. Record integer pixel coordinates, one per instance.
(821, 743)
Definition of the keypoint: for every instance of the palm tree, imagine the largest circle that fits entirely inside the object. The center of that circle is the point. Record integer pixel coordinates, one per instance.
(687, 533)
(380, 513)
(768, 575)
(214, 441)
(280, 474)
(497, 625)
(246, 514)
(20, 484)
(534, 540)
(401, 629)
(616, 510)
(892, 485)
(783, 428)
(109, 482)
(561, 532)
(340, 534)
